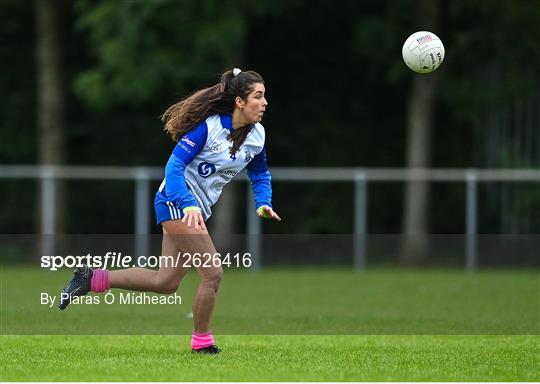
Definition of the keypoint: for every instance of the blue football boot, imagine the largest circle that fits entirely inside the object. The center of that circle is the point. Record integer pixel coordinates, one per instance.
(78, 286)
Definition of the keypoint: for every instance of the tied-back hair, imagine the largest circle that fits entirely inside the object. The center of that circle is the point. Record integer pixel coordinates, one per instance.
(185, 115)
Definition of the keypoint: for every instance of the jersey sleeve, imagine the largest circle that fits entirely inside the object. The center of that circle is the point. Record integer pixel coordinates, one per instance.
(259, 175)
(189, 146)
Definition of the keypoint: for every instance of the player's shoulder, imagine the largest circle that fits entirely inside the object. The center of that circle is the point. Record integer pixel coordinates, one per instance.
(213, 122)
(258, 132)
(218, 123)
(255, 138)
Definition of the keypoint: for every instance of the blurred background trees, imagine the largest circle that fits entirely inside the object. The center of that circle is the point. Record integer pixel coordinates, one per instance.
(339, 95)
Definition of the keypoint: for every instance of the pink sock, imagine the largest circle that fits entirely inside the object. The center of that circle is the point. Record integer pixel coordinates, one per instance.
(100, 280)
(202, 340)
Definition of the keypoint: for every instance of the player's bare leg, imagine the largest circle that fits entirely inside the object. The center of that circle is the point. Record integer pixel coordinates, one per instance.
(196, 241)
(165, 280)
(176, 236)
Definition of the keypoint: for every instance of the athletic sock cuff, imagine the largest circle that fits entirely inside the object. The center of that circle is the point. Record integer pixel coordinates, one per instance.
(100, 281)
(202, 340)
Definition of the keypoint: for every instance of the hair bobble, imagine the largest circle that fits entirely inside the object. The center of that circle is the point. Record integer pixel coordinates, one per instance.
(236, 71)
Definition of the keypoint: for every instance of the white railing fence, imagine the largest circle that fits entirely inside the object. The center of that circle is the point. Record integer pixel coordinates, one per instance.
(143, 176)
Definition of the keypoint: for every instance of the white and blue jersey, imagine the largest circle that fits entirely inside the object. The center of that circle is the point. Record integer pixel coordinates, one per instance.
(201, 165)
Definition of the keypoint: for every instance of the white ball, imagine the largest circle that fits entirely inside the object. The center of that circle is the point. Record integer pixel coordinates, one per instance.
(423, 52)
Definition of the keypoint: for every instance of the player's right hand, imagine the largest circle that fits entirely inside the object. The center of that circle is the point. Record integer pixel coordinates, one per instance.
(193, 215)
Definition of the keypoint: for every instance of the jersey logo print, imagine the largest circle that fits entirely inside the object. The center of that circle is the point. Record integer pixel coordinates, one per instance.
(189, 142)
(215, 148)
(206, 169)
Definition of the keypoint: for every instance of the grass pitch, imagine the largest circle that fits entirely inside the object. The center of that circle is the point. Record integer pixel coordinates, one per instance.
(272, 358)
(328, 325)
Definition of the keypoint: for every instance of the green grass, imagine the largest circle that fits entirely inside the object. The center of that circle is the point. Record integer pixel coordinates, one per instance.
(328, 324)
(272, 358)
(301, 301)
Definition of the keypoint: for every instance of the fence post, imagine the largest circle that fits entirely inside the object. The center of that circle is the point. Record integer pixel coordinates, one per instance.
(471, 222)
(48, 209)
(254, 231)
(142, 211)
(360, 219)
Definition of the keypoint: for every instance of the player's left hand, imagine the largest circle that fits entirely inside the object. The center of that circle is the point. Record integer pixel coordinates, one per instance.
(267, 212)
(193, 215)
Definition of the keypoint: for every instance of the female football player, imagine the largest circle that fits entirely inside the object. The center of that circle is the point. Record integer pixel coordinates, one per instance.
(217, 132)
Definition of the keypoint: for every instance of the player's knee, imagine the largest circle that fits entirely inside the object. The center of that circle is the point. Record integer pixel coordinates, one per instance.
(214, 277)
